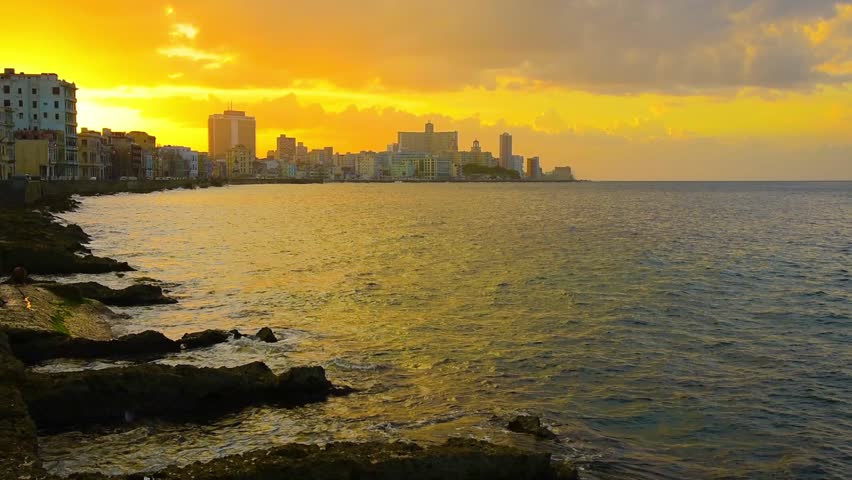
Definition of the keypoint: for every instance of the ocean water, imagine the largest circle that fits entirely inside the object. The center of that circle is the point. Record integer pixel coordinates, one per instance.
(662, 330)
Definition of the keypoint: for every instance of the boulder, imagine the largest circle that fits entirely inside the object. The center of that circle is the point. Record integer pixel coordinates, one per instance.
(134, 295)
(265, 335)
(236, 333)
(204, 339)
(531, 425)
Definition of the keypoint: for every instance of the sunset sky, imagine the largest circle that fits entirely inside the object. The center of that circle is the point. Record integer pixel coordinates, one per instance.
(618, 89)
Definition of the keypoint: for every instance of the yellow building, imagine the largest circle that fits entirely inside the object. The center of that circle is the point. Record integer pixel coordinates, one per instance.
(428, 141)
(37, 152)
(239, 159)
(148, 144)
(93, 155)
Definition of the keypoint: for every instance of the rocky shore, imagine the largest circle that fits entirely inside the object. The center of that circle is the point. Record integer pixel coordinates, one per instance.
(50, 320)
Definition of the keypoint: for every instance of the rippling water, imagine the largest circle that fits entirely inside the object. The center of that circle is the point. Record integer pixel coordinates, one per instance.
(663, 330)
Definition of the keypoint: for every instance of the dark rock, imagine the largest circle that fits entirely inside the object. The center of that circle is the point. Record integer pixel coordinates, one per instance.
(67, 400)
(306, 379)
(567, 471)
(236, 333)
(18, 441)
(33, 348)
(204, 339)
(265, 335)
(134, 295)
(19, 275)
(457, 459)
(530, 425)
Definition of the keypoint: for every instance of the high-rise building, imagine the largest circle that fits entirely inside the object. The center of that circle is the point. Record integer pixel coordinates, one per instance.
(505, 150)
(517, 164)
(286, 149)
(428, 141)
(533, 168)
(44, 102)
(227, 130)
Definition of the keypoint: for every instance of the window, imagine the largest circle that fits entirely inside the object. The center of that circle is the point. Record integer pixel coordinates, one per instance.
(19, 91)
(45, 115)
(35, 91)
(20, 115)
(55, 104)
(7, 103)
(57, 116)
(84, 142)
(35, 116)
(35, 104)
(21, 103)
(56, 90)
(7, 89)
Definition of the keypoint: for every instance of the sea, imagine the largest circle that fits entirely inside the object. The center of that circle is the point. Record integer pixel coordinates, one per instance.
(661, 330)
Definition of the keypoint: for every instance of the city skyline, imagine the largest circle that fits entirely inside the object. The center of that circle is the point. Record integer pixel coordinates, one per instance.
(737, 90)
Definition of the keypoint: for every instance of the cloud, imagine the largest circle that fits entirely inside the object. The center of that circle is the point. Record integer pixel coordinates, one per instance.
(211, 60)
(184, 30)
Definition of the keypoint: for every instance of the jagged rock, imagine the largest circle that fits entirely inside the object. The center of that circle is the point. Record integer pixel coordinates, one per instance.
(236, 333)
(204, 339)
(265, 335)
(531, 425)
(134, 295)
(66, 400)
(34, 348)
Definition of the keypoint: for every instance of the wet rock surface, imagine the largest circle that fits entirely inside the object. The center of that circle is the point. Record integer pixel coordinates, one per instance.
(32, 348)
(18, 442)
(60, 401)
(531, 425)
(265, 334)
(457, 459)
(204, 339)
(132, 296)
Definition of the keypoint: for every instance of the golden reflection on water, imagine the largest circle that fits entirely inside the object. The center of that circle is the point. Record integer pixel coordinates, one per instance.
(654, 326)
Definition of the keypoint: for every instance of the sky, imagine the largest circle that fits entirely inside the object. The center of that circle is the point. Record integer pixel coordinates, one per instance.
(617, 89)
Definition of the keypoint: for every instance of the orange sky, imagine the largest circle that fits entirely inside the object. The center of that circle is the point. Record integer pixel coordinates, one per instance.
(657, 89)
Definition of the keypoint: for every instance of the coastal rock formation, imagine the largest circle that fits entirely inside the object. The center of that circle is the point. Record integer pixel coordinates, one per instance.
(265, 335)
(132, 296)
(204, 339)
(65, 400)
(59, 248)
(457, 459)
(531, 425)
(32, 348)
(18, 441)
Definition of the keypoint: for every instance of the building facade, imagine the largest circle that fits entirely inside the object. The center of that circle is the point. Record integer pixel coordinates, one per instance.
(228, 130)
(44, 102)
(39, 152)
(240, 161)
(428, 141)
(94, 155)
(148, 145)
(286, 149)
(179, 162)
(533, 168)
(7, 143)
(506, 150)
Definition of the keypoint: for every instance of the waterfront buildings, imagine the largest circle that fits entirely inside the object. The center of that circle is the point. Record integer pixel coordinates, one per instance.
(505, 150)
(43, 102)
(7, 143)
(148, 145)
(126, 155)
(474, 157)
(428, 141)
(533, 168)
(562, 173)
(517, 164)
(286, 149)
(240, 161)
(94, 155)
(39, 152)
(227, 130)
(178, 162)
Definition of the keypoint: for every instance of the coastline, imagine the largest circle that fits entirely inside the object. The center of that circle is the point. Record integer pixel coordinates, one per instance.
(40, 321)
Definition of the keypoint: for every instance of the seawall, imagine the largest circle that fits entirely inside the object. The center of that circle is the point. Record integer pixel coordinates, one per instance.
(21, 192)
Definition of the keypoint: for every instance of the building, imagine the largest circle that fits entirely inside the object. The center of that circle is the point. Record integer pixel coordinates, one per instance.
(286, 149)
(428, 141)
(148, 145)
(228, 130)
(127, 159)
(506, 150)
(517, 164)
(178, 162)
(44, 102)
(474, 157)
(562, 173)
(533, 168)
(7, 143)
(94, 155)
(240, 161)
(39, 152)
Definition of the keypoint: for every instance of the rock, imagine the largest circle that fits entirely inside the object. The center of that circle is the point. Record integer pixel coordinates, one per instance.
(18, 441)
(457, 459)
(68, 400)
(204, 339)
(236, 334)
(265, 335)
(531, 425)
(134, 295)
(567, 471)
(19, 275)
(37, 348)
